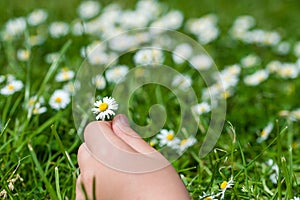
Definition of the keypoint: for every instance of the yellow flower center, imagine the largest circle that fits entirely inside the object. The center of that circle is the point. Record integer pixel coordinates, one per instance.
(31, 102)
(151, 143)
(35, 111)
(58, 100)
(263, 133)
(226, 94)
(103, 106)
(208, 198)
(10, 87)
(66, 75)
(170, 136)
(183, 142)
(26, 54)
(223, 185)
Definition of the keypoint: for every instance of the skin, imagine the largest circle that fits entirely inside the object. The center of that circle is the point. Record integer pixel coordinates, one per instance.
(114, 183)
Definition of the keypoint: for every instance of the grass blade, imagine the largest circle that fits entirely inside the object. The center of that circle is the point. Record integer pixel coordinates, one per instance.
(57, 183)
(42, 174)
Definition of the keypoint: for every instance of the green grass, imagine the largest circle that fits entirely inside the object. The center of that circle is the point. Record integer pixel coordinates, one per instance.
(42, 149)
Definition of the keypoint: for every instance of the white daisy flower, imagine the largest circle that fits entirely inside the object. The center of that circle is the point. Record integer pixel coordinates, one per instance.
(11, 87)
(225, 186)
(186, 143)
(88, 9)
(123, 42)
(51, 57)
(201, 62)
(34, 105)
(104, 109)
(250, 60)
(265, 132)
(35, 40)
(273, 66)
(288, 70)
(183, 82)
(23, 54)
(58, 29)
(256, 78)
(167, 137)
(296, 198)
(153, 142)
(133, 19)
(60, 99)
(39, 109)
(182, 52)
(37, 17)
(71, 87)
(297, 49)
(201, 108)
(99, 82)
(148, 57)
(65, 74)
(3, 194)
(283, 48)
(2, 78)
(275, 171)
(116, 74)
(295, 114)
(15, 27)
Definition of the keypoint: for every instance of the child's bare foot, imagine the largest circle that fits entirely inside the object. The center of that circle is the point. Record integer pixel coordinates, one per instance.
(112, 153)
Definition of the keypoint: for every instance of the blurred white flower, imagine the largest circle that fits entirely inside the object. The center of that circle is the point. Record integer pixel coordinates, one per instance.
(58, 29)
(201, 62)
(11, 87)
(167, 137)
(283, 48)
(36, 40)
(60, 99)
(182, 53)
(273, 66)
(244, 22)
(297, 49)
(78, 27)
(250, 60)
(105, 109)
(133, 19)
(39, 109)
(116, 74)
(35, 107)
(204, 28)
(122, 42)
(99, 82)
(295, 115)
(264, 134)
(96, 54)
(201, 108)
(23, 54)
(183, 82)
(15, 27)
(65, 74)
(274, 171)
(51, 57)
(185, 144)
(172, 20)
(288, 70)
(256, 78)
(71, 87)
(148, 57)
(2, 78)
(151, 8)
(88, 9)
(37, 17)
